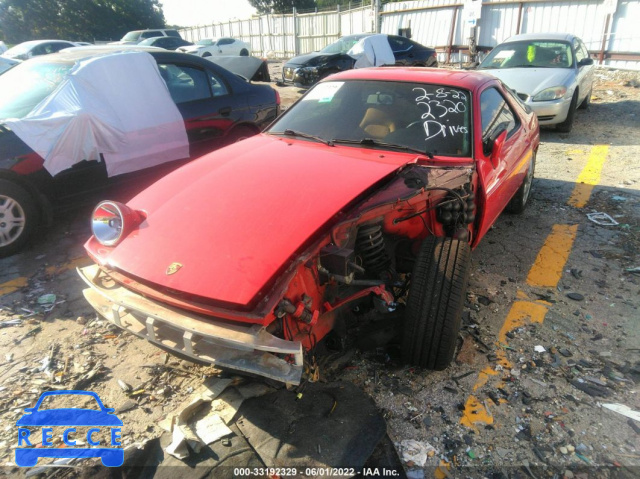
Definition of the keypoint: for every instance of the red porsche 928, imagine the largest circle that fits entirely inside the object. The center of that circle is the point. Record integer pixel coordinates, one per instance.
(367, 195)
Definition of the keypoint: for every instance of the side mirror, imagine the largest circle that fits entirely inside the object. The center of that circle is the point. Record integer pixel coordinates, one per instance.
(585, 61)
(492, 147)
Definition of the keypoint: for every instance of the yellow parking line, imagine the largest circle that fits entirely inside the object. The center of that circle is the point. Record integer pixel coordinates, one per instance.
(14, 285)
(80, 262)
(545, 272)
(9, 287)
(589, 177)
(547, 268)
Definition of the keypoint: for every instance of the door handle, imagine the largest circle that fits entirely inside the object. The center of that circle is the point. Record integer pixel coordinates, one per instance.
(225, 111)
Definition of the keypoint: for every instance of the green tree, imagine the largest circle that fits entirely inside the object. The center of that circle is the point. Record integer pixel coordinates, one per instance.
(86, 20)
(282, 6)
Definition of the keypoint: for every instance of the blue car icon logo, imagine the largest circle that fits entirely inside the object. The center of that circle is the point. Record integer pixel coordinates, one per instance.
(70, 418)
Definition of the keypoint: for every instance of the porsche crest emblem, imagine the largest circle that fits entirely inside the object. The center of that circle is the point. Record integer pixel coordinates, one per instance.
(173, 268)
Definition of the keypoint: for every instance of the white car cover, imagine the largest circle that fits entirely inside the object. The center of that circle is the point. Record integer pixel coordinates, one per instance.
(372, 51)
(115, 105)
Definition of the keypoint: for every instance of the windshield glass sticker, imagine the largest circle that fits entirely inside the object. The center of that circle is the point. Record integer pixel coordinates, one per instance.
(324, 92)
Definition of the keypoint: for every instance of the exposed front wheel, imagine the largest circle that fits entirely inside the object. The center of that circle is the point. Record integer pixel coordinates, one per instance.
(206, 54)
(244, 52)
(18, 217)
(519, 201)
(434, 305)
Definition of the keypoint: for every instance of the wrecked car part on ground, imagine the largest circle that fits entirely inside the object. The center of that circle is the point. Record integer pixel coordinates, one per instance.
(367, 195)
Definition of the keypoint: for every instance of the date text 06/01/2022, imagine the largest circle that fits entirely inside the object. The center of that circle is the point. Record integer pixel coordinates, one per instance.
(315, 471)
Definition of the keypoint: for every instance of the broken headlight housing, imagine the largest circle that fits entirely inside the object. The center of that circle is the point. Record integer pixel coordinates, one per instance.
(111, 221)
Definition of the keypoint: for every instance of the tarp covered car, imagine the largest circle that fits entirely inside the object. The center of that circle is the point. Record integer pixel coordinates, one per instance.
(80, 120)
(307, 69)
(367, 194)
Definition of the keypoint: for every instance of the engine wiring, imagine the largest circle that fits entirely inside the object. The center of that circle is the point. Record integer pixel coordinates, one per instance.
(458, 197)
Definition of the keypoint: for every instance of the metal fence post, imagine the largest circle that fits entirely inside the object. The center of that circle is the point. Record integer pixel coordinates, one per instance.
(284, 35)
(376, 16)
(604, 39)
(295, 32)
(263, 53)
(452, 30)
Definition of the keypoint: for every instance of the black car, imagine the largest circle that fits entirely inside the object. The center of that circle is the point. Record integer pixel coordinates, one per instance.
(305, 70)
(168, 43)
(217, 106)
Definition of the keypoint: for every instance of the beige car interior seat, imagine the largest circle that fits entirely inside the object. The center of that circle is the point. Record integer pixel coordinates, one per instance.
(378, 122)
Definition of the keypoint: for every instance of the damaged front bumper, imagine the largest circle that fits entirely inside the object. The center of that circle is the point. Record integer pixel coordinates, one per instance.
(243, 347)
(301, 77)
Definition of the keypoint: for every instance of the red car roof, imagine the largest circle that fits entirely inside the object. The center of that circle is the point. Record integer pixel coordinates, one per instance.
(469, 80)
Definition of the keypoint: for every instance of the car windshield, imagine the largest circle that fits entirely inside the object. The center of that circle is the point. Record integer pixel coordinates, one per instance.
(205, 42)
(393, 115)
(23, 87)
(529, 54)
(132, 36)
(343, 45)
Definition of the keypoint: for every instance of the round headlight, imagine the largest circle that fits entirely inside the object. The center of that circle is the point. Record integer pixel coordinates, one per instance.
(111, 221)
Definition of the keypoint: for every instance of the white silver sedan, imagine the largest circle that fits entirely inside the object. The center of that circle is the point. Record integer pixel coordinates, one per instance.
(213, 47)
(552, 73)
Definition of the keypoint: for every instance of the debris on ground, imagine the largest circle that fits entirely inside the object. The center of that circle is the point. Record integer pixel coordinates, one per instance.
(602, 219)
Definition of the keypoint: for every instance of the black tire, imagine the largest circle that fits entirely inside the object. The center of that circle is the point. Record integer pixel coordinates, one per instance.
(519, 201)
(434, 305)
(19, 217)
(206, 54)
(240, 133)
(587, 100)
(244, 52)
(567, 125)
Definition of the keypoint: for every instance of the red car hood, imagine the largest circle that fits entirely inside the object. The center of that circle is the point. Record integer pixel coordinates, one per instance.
(235, 217)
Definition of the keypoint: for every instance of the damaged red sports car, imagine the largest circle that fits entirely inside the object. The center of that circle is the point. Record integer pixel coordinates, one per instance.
(367, 195)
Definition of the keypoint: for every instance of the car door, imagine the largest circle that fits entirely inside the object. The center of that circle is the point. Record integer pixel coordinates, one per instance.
(584, 72)
(402, 50)
(499, 179)
(205, 101)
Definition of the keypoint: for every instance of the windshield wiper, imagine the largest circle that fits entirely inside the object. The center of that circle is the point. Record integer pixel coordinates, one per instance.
(372, 142)
(289, 132)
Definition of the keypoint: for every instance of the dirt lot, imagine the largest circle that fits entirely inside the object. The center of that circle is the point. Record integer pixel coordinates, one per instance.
(552, 328)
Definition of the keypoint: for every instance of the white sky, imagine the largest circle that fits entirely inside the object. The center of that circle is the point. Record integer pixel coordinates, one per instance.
(188, 13)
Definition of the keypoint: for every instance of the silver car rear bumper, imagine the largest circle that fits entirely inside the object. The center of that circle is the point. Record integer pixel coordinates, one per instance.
(244, 347)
